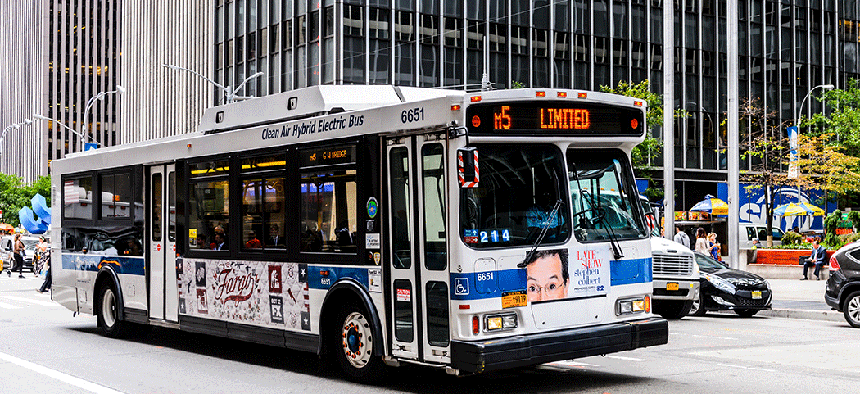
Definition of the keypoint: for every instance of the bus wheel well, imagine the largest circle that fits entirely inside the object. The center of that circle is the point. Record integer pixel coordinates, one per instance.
(335, 302)
(105, 279)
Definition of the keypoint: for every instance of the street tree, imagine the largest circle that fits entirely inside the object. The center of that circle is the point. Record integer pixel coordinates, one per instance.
(16, 194)
(765, 150)
(842, 117)
(823, 165)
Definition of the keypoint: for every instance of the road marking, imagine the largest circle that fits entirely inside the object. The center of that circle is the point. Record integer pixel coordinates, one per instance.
(570, 364)
(77, 382)
(747, 368)
(624, 358)
(8, 306)
(713, 337)
(37, 302)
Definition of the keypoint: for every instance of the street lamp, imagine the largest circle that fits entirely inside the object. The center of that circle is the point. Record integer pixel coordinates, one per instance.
(75, 132)
(86, 122)
(15, 126)
(800, 109)
(230, 94)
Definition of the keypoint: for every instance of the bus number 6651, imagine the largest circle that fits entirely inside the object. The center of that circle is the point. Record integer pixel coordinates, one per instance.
(412, 115)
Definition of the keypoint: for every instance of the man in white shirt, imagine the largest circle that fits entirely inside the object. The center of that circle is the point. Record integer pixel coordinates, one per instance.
(681, 237)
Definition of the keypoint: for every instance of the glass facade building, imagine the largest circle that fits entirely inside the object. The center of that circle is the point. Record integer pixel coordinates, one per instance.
(786, 48)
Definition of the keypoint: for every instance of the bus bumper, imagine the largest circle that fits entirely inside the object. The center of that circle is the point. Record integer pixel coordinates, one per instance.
(540, 348)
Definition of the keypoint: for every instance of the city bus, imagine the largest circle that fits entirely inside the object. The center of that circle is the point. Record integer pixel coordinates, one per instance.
(372, 225)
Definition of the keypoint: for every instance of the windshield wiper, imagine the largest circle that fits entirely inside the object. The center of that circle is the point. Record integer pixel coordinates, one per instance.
(595, 206)
(543, 231)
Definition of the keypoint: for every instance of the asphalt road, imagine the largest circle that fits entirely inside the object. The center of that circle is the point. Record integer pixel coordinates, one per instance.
(44, 349)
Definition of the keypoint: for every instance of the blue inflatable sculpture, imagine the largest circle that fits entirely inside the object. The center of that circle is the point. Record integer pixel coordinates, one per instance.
(40, 225)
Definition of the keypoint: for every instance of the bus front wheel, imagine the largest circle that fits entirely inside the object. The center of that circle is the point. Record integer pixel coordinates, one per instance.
(108, 312)
(353, 345)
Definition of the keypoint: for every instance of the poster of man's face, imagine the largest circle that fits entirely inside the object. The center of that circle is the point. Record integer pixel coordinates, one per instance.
(547, 275)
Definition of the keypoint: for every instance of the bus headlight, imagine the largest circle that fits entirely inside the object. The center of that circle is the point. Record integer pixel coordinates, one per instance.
(507, 321)
(630, 306)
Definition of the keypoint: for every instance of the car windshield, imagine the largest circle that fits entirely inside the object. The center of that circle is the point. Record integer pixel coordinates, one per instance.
(30, 243)
(706, 263)
(521, 193)
(605, 205)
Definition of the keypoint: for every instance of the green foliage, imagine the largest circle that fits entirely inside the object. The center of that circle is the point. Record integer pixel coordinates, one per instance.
(830, 224)
(517, 85)
(842, 116)
(15, 194)
(792, 238)
(849, 238)
(854, 217)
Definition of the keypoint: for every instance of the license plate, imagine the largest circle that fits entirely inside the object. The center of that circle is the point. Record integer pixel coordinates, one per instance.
(511, 299)
(672, 286)
(756, 295)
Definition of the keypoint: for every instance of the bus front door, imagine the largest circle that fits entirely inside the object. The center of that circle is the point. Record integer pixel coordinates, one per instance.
(419, 277)
(161, 270)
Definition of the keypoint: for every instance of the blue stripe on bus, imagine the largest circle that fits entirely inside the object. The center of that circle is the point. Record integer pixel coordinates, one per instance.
(120, 264)
(465, 287)
(324, 277)
(625, 272)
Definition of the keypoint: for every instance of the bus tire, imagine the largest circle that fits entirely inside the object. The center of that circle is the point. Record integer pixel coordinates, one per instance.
(352, 344)
(107, 312)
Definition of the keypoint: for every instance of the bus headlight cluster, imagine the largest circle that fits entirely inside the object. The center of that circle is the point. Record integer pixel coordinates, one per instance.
(507, 321)
(630, 306)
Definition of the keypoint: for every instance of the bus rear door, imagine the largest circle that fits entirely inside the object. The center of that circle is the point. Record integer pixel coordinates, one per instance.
(419, 279)
(161, 272)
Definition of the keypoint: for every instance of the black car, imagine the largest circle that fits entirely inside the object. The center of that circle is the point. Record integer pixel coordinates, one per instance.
(722, 288)
(843, 287)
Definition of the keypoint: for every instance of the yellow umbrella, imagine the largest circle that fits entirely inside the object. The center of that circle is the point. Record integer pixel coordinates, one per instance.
(798, 209)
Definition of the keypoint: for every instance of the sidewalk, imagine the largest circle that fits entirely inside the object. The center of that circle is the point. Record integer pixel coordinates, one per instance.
(800, 299)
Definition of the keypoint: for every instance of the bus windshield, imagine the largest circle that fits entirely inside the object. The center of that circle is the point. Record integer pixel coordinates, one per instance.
(605, 205)
(521, 194)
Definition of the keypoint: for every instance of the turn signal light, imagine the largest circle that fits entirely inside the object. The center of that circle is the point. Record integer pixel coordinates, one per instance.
(647, 304)
(834, 265)
(476, 325)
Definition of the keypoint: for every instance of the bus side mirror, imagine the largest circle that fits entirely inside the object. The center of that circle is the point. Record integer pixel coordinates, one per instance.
(467, 167)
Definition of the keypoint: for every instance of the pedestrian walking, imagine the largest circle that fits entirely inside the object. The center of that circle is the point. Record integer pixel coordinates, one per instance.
(681, 237)
(46, 285)
(18, 256)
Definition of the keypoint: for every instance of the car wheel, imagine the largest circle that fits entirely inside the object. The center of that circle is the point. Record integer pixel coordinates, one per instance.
(746, 312)
(353, 345)
(108, 312)
(851, 309)
(672, 310)
(697, 308)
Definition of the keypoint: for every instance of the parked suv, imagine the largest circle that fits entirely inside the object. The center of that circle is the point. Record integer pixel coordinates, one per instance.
(749, 233)
(843, 287)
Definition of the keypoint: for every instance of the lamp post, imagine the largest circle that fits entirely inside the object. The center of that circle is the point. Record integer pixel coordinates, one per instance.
(230, 94)
(15, 126)
(800, 109)
(75, 132)
(793, 132)
(85, 126)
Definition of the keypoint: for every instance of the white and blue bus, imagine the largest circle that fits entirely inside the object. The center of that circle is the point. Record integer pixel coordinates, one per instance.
(374, 225)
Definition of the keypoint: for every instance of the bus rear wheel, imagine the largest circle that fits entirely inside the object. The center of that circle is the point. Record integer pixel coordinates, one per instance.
(353, 345)
(108, 312)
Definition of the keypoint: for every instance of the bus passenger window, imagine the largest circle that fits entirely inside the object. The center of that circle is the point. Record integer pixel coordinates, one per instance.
(328, 211)
(209, 213)
(78, 198)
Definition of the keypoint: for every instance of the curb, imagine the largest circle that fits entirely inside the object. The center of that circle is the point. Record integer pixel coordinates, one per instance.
(830, 315)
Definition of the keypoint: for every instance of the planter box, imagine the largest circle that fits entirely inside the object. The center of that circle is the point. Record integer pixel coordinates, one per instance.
(785, 256)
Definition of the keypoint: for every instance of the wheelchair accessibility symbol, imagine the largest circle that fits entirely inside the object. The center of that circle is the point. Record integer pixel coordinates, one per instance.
(461, 286)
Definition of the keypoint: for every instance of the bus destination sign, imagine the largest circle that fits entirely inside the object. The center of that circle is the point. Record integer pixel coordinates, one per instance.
(557, 118)
(328, 156)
